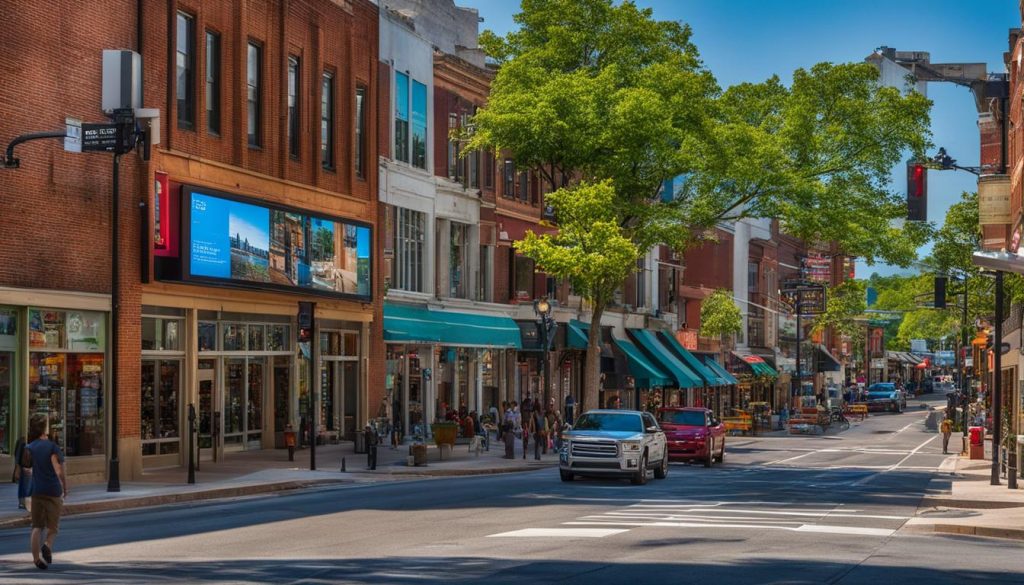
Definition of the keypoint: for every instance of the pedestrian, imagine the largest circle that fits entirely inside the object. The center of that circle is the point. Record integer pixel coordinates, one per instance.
(570, 409)
(540, 435)
(550, 416)
(508, 436)
(22, 475)
(495, 420)
(49, 488)
(947, 429)
(526, 420)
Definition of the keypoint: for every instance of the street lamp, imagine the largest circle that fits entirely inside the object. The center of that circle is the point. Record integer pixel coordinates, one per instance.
(542, 308)
(1000, 262)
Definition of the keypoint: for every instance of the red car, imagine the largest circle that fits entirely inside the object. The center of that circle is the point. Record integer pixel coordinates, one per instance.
(693, 434)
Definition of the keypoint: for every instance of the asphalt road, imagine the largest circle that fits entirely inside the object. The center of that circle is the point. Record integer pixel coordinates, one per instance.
(780, 510)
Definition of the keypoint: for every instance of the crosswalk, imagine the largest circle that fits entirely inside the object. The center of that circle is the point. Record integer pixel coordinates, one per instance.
(756, 515)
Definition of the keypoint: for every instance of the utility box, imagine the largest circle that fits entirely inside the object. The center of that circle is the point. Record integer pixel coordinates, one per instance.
(122, 80)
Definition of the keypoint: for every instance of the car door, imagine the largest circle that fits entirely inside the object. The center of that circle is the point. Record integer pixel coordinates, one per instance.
(657, 444)
(716, 430)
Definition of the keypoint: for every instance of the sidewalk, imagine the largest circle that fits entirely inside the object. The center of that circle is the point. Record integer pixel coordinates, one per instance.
(966, 503)
(266, 471)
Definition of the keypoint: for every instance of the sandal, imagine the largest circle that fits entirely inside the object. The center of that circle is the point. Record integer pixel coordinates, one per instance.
(40, 564)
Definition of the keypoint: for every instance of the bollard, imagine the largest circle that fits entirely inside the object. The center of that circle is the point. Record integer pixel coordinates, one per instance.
(343, 465)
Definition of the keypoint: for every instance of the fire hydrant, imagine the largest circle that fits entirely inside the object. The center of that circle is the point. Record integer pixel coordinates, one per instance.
(289, 441)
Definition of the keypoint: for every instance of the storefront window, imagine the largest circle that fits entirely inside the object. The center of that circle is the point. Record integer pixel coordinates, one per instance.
(339, 343)
(161, 334)
(207, 336)
(278, 339)
(256, 337)
(160, 414)
(46, 329)
(234, 337)
(6, 414)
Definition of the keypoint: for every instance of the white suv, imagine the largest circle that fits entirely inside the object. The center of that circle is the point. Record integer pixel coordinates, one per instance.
(618, 443)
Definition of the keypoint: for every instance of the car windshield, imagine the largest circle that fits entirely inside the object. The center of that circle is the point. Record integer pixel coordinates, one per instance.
(882, 388)
(608, 421)
(880, 393)
(693, 418)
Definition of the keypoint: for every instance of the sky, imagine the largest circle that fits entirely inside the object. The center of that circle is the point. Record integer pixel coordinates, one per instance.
(751, 40)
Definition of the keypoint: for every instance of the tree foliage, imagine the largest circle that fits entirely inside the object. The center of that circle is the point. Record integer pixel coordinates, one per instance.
(719, 315)
(845, 303)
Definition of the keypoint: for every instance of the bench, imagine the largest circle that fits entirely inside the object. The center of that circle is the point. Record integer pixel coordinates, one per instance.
(807, 417)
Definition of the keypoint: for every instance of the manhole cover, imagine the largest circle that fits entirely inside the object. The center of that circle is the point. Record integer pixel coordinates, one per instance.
(948, 513)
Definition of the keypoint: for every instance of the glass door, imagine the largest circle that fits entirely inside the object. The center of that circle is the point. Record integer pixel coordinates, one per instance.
(282, 388)
(46, 391)
(255, 388)
(348, 393)
(6, 401)
(208, 418)
(234, 401)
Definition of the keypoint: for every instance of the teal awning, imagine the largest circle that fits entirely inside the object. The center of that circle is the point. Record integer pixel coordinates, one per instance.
(645, 373)
(757, 365)
(577, 335)
(718, 369)
(405, 324)
(711, 378)
(663, 356)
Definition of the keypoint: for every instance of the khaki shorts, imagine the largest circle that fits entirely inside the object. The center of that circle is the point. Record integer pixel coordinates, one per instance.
(46, 512)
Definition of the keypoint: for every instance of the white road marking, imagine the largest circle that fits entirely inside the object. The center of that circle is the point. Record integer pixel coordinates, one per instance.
(845, 513)
(821, 528)
(561, 532)
(870, 478)
(845, 530)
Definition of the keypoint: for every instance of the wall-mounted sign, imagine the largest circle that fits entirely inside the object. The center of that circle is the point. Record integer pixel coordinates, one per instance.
(161, 211)
(994, 200)
(242, 241)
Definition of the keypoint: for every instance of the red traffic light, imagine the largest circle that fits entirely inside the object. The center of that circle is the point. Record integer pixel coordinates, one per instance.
(917, 181)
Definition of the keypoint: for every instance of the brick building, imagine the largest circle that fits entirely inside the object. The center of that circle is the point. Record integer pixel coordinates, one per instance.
(260, 194)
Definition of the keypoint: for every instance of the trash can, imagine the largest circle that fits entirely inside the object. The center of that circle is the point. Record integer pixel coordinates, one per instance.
(976, 438)
(360, 443)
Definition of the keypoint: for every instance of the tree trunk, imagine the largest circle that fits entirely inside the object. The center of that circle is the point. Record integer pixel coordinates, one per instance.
(592, 371)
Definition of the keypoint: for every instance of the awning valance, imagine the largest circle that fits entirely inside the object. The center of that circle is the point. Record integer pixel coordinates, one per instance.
(577, 335)
(669, 363)
(407, 324)
(645, 374)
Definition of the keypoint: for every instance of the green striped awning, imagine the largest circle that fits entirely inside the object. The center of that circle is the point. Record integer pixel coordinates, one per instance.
(663, 356)
(721, 371)
(407, 324)
(710, 377)
(645, 373)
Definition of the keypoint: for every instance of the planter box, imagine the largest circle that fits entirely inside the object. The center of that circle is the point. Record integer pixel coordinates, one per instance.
(418, 454)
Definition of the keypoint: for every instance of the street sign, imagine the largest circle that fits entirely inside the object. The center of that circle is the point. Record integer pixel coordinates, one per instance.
(811, 299)
(73, 135)
(99, 137)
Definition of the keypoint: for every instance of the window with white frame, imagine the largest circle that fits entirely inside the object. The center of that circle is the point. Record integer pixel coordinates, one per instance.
(458, 261)
(410, 243)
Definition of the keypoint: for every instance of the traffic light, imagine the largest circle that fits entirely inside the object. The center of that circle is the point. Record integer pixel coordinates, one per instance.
(940, 292)
(917, 191)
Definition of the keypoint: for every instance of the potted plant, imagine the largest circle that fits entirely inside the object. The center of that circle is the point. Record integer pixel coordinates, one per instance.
(444, 432)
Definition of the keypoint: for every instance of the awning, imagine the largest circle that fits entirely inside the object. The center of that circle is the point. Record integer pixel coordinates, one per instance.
(645, 374)
(405, 324)
(757, 365)
(663, 356)
(710, 377)
(902, 357)
(826, 361)
(577, 334)
(718, 369)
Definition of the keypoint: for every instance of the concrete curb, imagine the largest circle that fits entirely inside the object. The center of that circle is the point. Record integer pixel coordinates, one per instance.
(935, 501)
(419, 471)
(165, 499)
(987, 531)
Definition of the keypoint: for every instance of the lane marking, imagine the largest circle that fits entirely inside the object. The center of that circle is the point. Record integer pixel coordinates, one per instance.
(870, 478)
(819, 528)
(561, 532)
(824, 528)
(845, 513)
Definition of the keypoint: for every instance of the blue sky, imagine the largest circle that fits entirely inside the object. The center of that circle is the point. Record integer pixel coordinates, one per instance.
(250, 222)
(750, 40)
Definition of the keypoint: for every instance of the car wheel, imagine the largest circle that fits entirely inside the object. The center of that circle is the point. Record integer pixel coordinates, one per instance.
(721, 454)
(640, 477)
(710, 459)
(661, 472)
(566, 475)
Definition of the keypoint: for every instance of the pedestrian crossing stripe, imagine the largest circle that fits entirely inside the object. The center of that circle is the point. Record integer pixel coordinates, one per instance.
(560, 533)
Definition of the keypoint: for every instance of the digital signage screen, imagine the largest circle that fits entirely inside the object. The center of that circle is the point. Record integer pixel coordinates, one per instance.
(254, 244)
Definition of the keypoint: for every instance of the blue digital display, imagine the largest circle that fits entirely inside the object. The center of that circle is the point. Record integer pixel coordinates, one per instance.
(239, 241)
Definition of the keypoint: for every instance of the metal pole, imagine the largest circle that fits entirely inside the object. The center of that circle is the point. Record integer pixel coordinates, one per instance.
(114, 475)
(544, 359)
(314, 390)
(965, 388)
(799, 325)
(997, 380)
(191, 443)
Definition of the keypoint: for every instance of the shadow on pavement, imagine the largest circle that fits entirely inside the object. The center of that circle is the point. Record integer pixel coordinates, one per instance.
(410, 569)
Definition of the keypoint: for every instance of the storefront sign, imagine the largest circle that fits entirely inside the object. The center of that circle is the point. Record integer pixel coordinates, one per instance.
(688, 338)
(817, 267)
(161, 219)
(239, 241)
(994, 200)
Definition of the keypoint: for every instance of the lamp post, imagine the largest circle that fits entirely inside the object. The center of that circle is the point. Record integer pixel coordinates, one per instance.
(543, 310)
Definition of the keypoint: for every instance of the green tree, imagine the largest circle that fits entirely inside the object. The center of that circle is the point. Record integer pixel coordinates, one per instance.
(845, 303)
(719, 315)
(599, 92)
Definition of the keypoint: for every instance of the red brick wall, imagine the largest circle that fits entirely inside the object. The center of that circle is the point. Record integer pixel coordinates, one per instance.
(710, 265)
